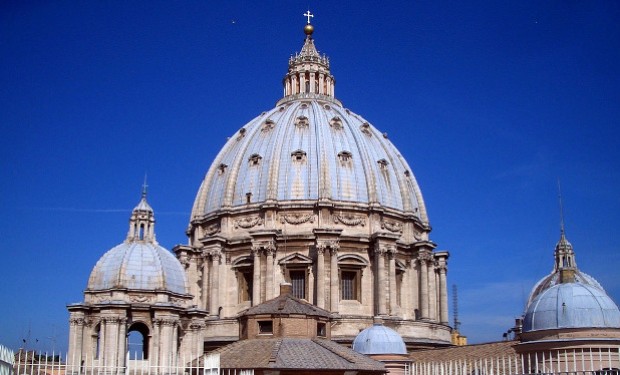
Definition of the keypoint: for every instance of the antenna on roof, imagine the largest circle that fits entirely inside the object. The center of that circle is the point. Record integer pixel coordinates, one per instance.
(455, 309)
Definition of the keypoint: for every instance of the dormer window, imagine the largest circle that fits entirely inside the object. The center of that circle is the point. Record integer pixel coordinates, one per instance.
(299, 156)
(255, 159)
(241, 133)
(268, 125)
(345, 158)
(336, 123)
(383, 164)
(366, 129)
(222, 168)
(302, 122)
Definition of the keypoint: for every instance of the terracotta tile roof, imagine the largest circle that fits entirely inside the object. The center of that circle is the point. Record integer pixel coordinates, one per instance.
(295, 353)
(467, 352)
(286, 304)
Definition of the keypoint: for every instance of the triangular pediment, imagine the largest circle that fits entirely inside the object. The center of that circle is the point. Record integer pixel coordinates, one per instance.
(295, 258)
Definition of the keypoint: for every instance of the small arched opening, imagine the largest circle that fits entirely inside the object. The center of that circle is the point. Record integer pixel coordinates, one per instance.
(138, 341)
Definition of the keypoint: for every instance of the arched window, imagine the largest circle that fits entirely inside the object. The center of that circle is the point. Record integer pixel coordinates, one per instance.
(138, 341)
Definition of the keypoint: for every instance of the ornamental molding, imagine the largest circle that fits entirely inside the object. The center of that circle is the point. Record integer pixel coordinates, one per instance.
(351, 220)
(297, 218)
(392, 226)
(141, 298)
(177, 301)
(248, 222)
(212, 229)
(78, 321)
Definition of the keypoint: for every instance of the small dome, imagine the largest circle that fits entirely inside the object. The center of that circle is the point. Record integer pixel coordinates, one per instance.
(379, 339)
(139, 263)
(571, 305)
(138, 266)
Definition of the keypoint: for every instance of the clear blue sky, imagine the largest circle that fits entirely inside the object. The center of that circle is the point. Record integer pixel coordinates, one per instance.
(490, 102)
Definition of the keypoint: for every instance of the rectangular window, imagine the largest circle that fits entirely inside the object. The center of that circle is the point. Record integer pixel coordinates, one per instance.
(245, 278)
(265, 326)
(349, 289)
(321, 330)
(298, 282)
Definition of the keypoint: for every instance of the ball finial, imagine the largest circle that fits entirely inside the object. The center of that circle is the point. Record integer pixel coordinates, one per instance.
(308, 29)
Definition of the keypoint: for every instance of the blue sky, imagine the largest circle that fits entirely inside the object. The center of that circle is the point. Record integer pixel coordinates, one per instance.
(489, 101)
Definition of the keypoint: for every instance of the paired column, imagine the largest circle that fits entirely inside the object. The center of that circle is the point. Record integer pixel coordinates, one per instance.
(424, 258)
(216, 257)
(76, 339)
(333, 278)
(380, 259)
(269, 276)
(320, 275)
(392, 279)
(205, 280)
(256, 276)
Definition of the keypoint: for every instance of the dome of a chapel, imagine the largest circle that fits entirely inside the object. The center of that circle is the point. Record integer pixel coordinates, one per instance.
(571, 305)
(379, 339)
(309, 148)
(139, 263)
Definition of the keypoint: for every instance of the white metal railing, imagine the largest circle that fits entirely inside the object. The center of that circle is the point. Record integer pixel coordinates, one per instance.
(32, 363)
(579, 361)
(7, 360)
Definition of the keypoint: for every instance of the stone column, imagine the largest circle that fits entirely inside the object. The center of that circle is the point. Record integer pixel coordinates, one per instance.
(193, 280)
(110, 349)
(321, 83)
(269, 274)
(423, 259)
(302, 82)
(312, 85)
(333, 279)
(320, 275)
(122, 343)
(205, 281)
(380, 259)
(216, 257)
(432, 292)
(391, 253)
(256, 276)
(76, 340)
(443, 293)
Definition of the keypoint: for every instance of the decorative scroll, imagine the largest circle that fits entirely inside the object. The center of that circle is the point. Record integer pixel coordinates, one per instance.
(297, 218)
(248, 222)
(349, 219)
(177, 301)
(392, 226)
(141, 298)
(212, 229)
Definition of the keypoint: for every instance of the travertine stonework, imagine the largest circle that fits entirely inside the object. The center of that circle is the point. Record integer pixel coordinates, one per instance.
(312, 194)
(307, 193)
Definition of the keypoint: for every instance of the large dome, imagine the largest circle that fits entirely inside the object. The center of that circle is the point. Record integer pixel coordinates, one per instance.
(571, 305)
(309, 148)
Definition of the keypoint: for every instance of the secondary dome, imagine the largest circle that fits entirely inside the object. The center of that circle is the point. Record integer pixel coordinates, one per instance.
(565, 260)
(571, 305)
(379, 339)
(309, 148)
(139, 263)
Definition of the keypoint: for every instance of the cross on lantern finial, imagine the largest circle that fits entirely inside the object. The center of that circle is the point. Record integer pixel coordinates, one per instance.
(309, 15)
